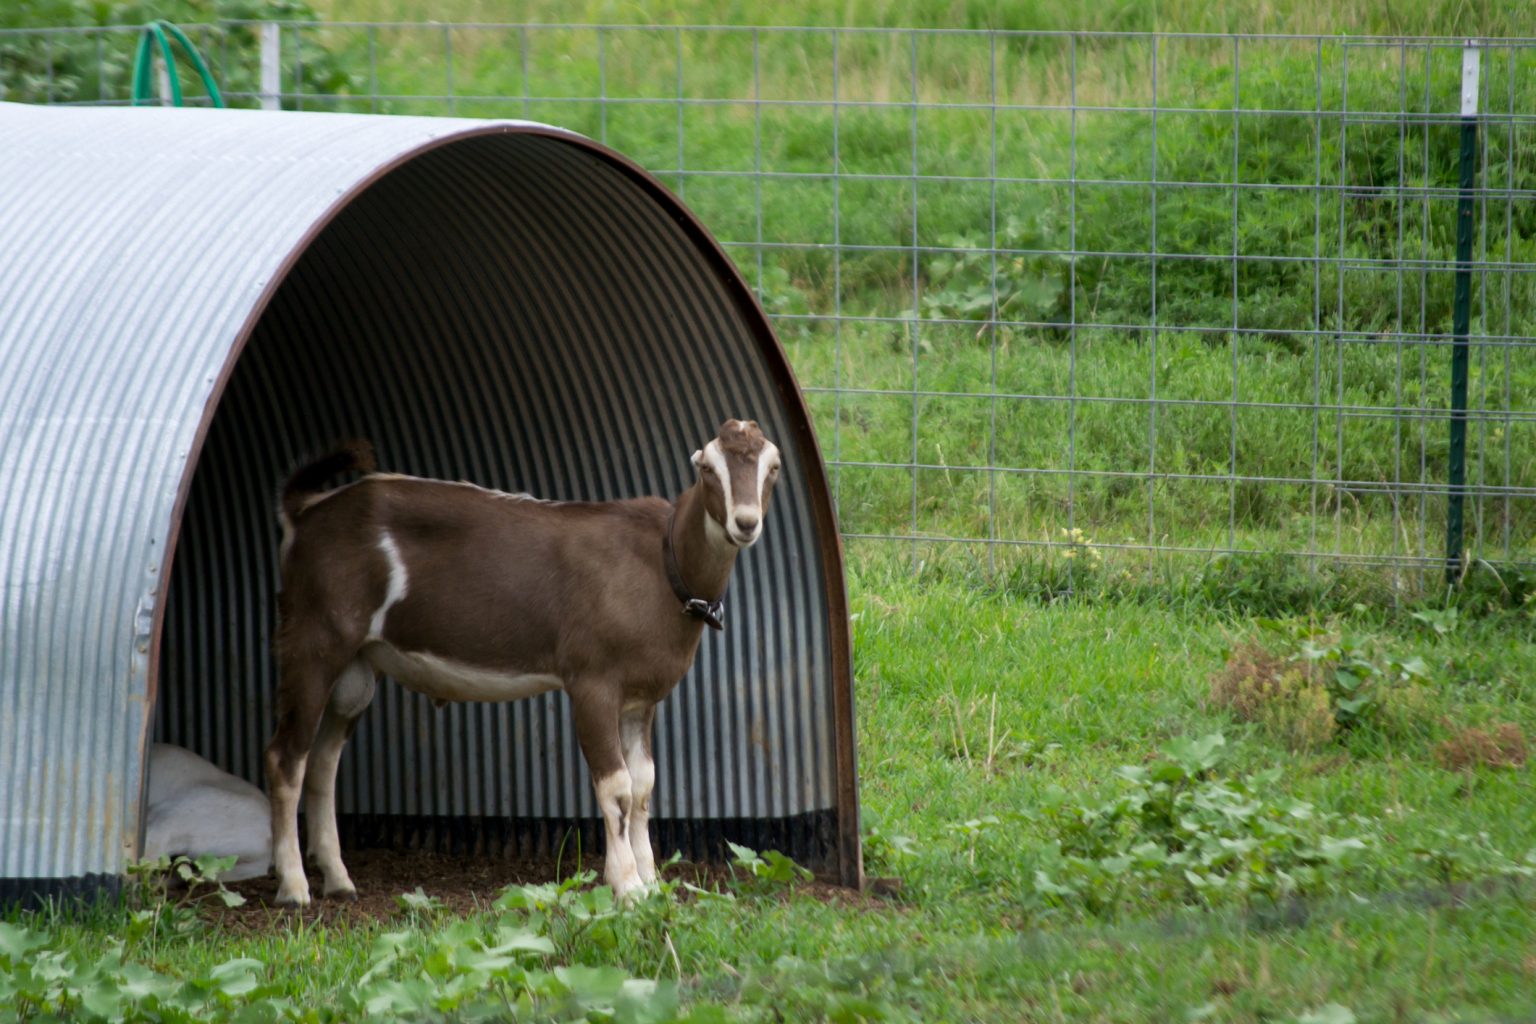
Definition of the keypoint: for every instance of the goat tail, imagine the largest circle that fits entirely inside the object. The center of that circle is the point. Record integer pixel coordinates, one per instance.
(355, 455)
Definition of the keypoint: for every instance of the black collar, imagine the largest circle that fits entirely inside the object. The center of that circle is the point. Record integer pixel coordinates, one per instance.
(712, 612)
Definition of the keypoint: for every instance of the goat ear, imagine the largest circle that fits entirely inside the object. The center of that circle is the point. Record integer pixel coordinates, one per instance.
(698, 458)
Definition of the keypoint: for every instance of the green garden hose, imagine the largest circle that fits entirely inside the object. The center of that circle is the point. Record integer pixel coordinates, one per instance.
(156, 32)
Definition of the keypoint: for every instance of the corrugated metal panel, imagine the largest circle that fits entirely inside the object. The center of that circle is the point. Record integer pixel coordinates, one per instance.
(503, 303)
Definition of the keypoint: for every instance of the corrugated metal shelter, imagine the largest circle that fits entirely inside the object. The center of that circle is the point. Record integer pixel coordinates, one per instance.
(191, 300)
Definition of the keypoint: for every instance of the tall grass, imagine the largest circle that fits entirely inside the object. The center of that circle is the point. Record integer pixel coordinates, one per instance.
(1352, 17)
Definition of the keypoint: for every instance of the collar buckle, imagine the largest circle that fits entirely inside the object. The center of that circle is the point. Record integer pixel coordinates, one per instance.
(711, 612)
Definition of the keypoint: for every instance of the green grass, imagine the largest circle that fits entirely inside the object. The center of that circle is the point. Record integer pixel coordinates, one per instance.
(1081, 688)
(1355, 17)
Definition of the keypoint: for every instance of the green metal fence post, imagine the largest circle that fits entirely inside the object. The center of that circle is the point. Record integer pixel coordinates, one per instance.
(1461, 316)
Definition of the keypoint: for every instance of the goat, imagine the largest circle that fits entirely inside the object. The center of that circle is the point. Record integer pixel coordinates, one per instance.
(466, 594)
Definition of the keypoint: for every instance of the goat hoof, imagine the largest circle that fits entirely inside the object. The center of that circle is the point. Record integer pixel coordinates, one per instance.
(629, 889)
(349, 894)
(294, 897)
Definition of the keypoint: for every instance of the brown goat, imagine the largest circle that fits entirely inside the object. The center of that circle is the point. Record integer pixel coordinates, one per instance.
(467, 594)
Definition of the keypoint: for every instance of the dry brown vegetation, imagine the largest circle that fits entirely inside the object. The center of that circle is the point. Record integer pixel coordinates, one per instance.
(1285, 698)
(1501, 747)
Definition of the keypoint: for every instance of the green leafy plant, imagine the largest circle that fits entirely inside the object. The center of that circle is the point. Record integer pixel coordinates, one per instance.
(419, 905)
(41, 980)
(973, 283)
(568, 912)
(1443, 621)
(157, 913)
(883, 848)
(1183, 832)
(1453, 857)
(1356, 679)
(765, 872)
(972, 830)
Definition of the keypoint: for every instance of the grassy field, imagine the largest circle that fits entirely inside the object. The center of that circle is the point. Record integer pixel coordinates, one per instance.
(1355, 17)
(1379, 867)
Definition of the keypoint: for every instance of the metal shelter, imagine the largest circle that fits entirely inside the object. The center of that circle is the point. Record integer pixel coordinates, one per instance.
(192, 300)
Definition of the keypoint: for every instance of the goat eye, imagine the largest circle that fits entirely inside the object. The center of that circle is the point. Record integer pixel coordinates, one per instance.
(707, 469)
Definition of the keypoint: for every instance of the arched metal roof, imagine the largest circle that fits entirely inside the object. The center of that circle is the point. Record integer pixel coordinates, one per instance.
(191, 300)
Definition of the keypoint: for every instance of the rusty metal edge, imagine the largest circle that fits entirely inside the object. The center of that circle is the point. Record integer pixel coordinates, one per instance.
(850, 859)
(834, 576)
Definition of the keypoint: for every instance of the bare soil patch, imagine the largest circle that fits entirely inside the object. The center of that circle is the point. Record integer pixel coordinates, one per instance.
(463, 884)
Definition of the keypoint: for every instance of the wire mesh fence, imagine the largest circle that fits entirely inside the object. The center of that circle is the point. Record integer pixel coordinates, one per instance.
(1073, 302)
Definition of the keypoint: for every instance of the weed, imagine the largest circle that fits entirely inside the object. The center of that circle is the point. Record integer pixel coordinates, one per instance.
(1503, 747)
(154, 916)
(1285, 699)
(199, 877)
(1443, 621)
(992, 750)
(422, 908)
(972, 831)
(1324, 687)
(568, 913)
(1454, 857)
(42, 980)
(973, 283)
(882, 850)
(771, 871)
(1183, 832)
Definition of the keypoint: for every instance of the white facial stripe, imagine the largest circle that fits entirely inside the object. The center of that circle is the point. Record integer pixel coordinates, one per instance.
(766, 460)
(395, 592)
(715, 458)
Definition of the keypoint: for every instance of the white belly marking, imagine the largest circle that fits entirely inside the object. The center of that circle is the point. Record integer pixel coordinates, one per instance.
(445, 680)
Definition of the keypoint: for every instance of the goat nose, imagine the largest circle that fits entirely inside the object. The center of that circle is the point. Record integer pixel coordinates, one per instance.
(746, 522)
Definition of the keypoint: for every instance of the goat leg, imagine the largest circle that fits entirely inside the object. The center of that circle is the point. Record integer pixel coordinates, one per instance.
(635, 731)
(304, 689)
(351, 697)
(595, 708)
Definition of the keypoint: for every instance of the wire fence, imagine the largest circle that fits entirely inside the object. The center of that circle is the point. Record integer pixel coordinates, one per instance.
(1084, 302)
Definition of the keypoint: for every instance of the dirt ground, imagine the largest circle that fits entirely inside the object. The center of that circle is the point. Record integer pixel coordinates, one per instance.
(464, 885)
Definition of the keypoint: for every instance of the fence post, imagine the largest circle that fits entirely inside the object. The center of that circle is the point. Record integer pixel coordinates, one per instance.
(163, 80)
(1461, 315)
(271, 66)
